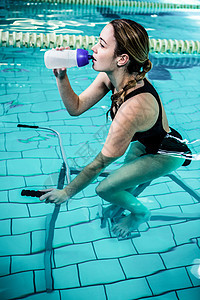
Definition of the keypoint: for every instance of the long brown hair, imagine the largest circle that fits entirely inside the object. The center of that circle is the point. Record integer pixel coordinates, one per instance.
(132, 39)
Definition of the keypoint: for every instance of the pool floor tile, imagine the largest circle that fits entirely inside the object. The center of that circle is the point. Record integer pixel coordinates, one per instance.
(191, 209)
(185, 231)
(42, 153)
(186, 294)
(157, 189)
(90, 202)
(90, 190)
(89, 232)
(8, 98)
(179, 198)
(45, 296)
(154, 240)
(24, 225)
(169, 280)
(166, 216)
(141, 265)
(16, 285)
(83, 293)
(24, 167)
(31, 117)
(16, 107)
(2, 143)
(111, 248)
(39, 280)
(50, 166)
(55, 115)
(15, 244)
(167, 296)
(41, 180)
(46, 106)
(3, 195)
(39, 208)
(27, 262)
(11, 182)
(73, 254)
(66, 277)
(9, 118)
(38, 241)
(174, 187)
(78, 121)
(100, 272)
(5, 227)
(3, 168)
(9, 155)
(132, 289)
(5, 266)
(62, 237)
(181, 256)
(13, 210)
(73, 217)
(52, 95)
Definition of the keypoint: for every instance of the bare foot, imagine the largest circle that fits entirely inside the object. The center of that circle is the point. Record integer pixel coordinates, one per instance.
(130, 223)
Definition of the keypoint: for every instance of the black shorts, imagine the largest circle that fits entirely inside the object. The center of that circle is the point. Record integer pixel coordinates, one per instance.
(172, 144)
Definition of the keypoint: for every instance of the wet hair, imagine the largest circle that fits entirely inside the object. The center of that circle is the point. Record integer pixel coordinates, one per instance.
(132, 39)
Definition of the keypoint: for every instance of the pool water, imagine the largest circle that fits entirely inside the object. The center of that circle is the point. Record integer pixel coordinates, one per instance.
(161, 261)
(61, 18)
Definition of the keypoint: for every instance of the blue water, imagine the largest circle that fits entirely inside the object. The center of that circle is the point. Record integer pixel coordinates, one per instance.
(161, 262)
(79, 19)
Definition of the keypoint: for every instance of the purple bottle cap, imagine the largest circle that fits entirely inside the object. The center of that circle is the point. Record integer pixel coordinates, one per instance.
(82, 57)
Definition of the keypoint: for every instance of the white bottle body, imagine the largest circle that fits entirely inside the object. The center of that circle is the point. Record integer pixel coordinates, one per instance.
(55, 59)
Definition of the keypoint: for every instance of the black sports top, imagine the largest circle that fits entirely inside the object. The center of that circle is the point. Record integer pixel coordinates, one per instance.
(153, 137)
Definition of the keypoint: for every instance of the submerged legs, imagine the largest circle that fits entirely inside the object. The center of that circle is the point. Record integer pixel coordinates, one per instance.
(116, 188)
(125, 200)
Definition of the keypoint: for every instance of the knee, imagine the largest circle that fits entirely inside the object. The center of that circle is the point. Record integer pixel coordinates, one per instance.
(102, 191)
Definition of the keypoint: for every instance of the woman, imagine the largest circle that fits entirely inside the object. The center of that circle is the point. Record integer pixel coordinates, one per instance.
(139, 119)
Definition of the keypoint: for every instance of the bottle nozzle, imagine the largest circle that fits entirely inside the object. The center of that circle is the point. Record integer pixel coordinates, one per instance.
(91, 57)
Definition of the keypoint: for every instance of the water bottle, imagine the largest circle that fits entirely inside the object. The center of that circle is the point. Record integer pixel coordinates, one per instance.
(55, 59)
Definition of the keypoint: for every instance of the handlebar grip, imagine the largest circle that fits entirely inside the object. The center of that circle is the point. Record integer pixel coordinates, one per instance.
(32, 193)
(27, 126)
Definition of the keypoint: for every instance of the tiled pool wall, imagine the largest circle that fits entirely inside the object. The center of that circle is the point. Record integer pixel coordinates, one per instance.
(88, 262)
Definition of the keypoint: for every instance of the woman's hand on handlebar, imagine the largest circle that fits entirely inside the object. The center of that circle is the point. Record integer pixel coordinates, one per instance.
(60, 73)
(54, 196)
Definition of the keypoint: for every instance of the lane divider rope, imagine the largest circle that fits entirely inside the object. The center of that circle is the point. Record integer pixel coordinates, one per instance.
(123, 4)
(51, 40)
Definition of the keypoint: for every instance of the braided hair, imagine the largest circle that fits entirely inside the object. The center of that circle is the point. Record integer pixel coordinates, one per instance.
(132, 39)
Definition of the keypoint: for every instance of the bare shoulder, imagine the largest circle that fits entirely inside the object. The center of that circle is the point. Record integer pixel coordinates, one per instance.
(141, 110)
(137, 114)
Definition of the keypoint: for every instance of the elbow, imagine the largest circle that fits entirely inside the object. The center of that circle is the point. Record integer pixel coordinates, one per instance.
(74, 113)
